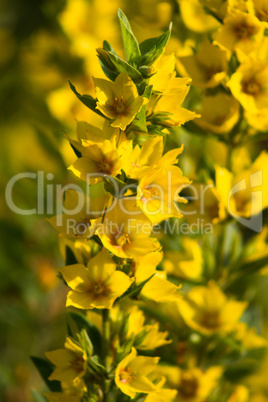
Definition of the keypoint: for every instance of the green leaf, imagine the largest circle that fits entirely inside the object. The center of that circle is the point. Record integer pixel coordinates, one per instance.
(77, 322)
(140, 120)
(134, 290)
(131, 45)
(114, 186)
(152, 48)
(70, 257)
(123, 67)
(45, 368)
(87, 100)
(77, 153)
(107, 66)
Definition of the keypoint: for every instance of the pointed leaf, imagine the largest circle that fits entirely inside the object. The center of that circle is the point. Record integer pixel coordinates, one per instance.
(152, 48)
(87, 100)
(123, 67)
(45, 368)
(77, 322)
(131, 45)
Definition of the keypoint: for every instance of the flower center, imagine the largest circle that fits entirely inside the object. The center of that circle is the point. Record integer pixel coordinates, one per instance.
(100, 289)
(262, 15)
(119, 105)
(122, 239)
(125, 376)
(150, 192)
(244, 31)
(251, 87)
(188, 386)
(211, 319)
(77, 364)
(104, 166)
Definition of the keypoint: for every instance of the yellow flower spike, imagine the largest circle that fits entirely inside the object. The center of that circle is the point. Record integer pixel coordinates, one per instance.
(159, 190)
(70, 362)
(98, 159)
(249, 85)
(160, 290)
(82, 211)
(125, 230)
(119, 100)
(219, 113)
(209, 311)
(240, 31)
(207, 67)
(97, 285)
(131, 374)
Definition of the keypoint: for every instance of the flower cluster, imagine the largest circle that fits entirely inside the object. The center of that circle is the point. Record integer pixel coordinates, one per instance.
(140, 334)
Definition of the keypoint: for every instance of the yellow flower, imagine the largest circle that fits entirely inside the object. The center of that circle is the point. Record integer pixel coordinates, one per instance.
(71, 392)
(261, 11)
(125, 230)
(219, 113)
(207, 67)
(249, 338)
(142, 159)
(119, 100)
(81, 212)
(145, 336)
(164, 69)
(240, 394)
(249, 85)
(246, 193)
(145, 266)
(258, 120)
(195, 17)
(208, 310)
(97, 285)
(240, 31)
(187, 263)
(160, 290)
(86, 131)
(70, 362)
(161, 395)
(158, 193)
(194, 384)
(169, 104)
(98, 159)
(131, 374)
(82, 249)
(204, 206)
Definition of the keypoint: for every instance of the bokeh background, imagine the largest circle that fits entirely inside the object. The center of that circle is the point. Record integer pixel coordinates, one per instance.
(43, 44)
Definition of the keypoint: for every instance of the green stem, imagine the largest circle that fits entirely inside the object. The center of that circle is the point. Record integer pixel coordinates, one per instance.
(106, 350)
